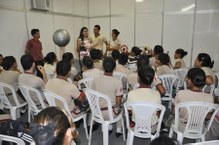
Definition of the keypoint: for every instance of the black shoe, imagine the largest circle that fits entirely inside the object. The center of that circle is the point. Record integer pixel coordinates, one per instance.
(110, 132)
(118, 134)
(95, 127)
(78, 123)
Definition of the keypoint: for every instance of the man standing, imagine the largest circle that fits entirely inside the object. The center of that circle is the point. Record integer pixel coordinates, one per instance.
(98, 39)
(34, 48)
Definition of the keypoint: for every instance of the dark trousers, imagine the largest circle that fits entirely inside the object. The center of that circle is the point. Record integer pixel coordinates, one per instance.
(39, 62)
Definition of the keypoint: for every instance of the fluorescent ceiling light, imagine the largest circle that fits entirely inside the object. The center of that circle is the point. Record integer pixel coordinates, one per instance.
(188, 8)
(139, 0)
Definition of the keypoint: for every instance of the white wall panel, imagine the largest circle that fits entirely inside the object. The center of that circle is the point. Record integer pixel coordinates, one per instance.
(126, 27)
(63, 6)
(44, 22)
(13, 34)
(12, 3)
(208, 5)
(148, 29)
(81, 7)
(178, 34)
(179, 6)
(99, 8)
(149, 6)
(207, 37)
(122, 7)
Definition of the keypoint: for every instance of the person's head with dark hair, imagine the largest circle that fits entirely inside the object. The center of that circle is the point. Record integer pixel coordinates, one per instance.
(9, 63)
(204, 60)
(83, 33)
(136, 51)
(123, 58)
(115, 54)
(180, 53)
(96, 29)
(88, 62)
(115, 33)
(146, 75)
(95, 54)
(196, 77)
(53, 126)
(163, 59)
(35, 33)
(68, 57)
(163, 140)
(1, 58)
(50, 58)
(27, 62)
(158, 49)
(63, 69)
(109, 64)
(142, 60)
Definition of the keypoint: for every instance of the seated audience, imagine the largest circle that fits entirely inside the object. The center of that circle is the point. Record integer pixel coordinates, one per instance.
(1, 60)
(179, 55)
(157, 50)
(135, 54)
(120, 67)
(50, 64)
(164, 66)
(28, 78)
(89, 70)
(53, 126)
(95, 55)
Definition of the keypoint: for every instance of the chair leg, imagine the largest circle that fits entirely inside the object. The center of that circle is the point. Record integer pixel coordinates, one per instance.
(90, 131)
(130, 138)
(13, 113)
(29, 114)
(123, 129)
(180, 137)
(105, 127)
(171, 133)
(85, 125)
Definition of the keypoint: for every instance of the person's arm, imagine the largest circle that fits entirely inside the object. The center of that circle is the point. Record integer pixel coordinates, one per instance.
(79, 43)
(161, 89)
(118, 100)
(177, 65)
(209, 80)
(42, 70)
(27, 48)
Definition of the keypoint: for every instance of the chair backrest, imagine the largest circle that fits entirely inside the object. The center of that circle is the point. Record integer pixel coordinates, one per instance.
(181, 74)
(123, 77)
(143, 113)
(50, 74)
(7, 138)
(168, 81)
(93, 98)
(27, 92)
(208, 89)
(197, 112)
(5, 103)
(85, 83)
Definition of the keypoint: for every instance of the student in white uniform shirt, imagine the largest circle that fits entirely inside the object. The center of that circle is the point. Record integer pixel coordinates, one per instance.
(157, 50)
(115, 43)
(179, 55)
(164, 66)
(95, 55)
(98, 39)
(50, 64)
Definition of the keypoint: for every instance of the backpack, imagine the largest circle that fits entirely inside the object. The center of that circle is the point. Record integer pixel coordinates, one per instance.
(16, 129)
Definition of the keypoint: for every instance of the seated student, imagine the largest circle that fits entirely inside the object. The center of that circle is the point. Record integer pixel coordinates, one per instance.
(53, 126)
(133, 77)
(144, 93)
(164, 66)
(204, 62)
(195, 80)
(115, 55)
(135, 54)
(89, 70)
(120, 67)
(10, 76)
(157, 50)
(179, 54)
(1, 60)
(50, 64)
(110, 86)
(95, 55)
(68, 57)
(29, 79)
(62, 87)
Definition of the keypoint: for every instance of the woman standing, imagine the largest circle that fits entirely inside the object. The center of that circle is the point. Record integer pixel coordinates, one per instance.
(115, 43)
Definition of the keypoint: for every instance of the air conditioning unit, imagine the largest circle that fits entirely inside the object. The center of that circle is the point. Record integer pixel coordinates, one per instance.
(40, 5)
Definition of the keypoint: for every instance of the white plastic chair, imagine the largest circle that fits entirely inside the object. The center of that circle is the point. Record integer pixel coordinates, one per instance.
(85, 83)
(33, 109)
(208, 89)
(195, 127)
(12, 139)
(181, 74)
(5, 103)
(54, 98)
(123, 77)
(168, 81)
(143, 113)
(93, 98)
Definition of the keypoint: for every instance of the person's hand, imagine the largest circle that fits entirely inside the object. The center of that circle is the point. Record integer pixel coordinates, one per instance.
(41, 69)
